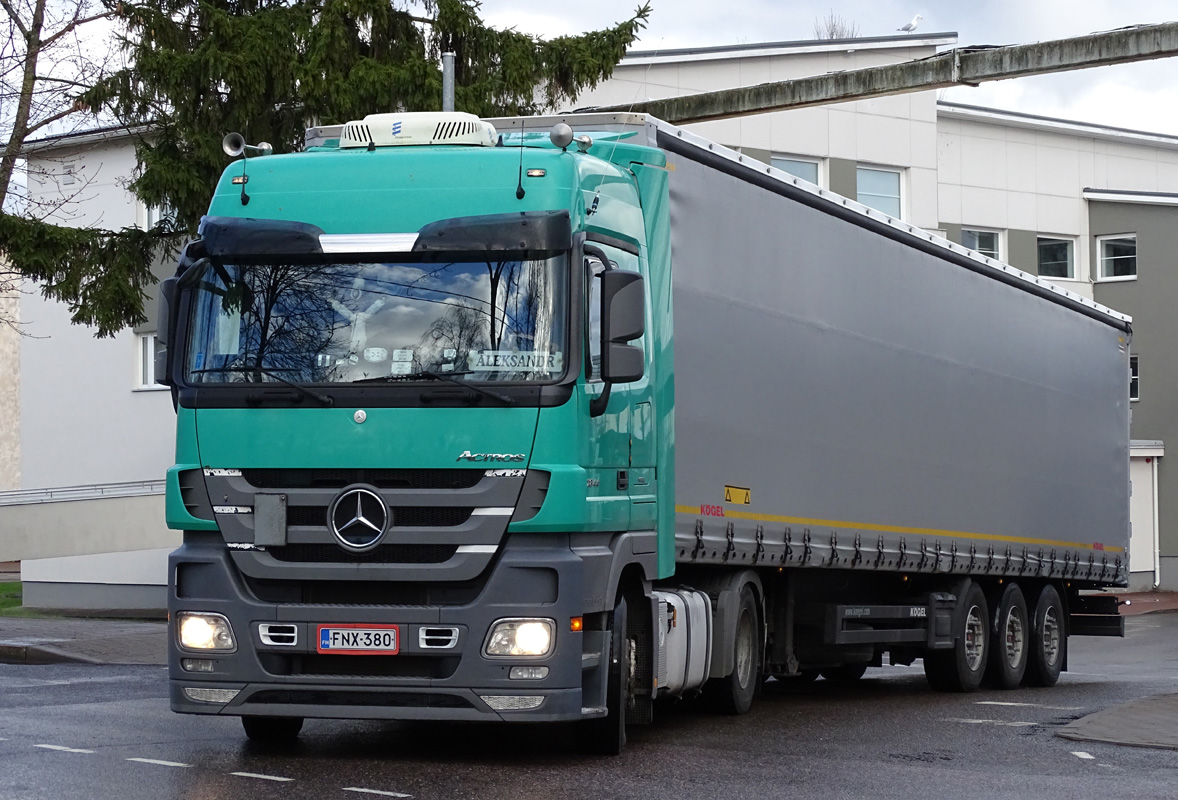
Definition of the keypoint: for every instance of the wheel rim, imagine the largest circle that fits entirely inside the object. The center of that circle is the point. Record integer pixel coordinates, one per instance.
(744, 650)
(1015, 637)
(1051, 636)
(975, 638)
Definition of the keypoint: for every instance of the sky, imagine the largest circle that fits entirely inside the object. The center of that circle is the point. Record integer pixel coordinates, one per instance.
(1142, 96)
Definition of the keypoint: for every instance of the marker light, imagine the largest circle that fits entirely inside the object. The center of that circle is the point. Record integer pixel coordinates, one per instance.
(520, 637)
(205, 632)
(577, 624)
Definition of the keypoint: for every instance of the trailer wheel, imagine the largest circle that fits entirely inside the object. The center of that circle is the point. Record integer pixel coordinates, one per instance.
(1049, 640)
(734, 694)
(1012, 639)
(961, 667)
(845, 674)
(607, 735)
(272, 729)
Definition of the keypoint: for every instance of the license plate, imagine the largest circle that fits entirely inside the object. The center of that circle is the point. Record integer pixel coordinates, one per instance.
(359, 640)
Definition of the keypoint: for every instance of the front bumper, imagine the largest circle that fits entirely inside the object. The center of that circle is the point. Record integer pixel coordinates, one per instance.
(535, 575)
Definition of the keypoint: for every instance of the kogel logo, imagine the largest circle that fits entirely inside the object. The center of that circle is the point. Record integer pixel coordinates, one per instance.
(484, 457)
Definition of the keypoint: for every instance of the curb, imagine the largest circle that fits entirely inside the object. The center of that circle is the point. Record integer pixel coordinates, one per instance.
(41, 654)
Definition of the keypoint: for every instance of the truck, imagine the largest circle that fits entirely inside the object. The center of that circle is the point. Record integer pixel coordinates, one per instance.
(556, 419)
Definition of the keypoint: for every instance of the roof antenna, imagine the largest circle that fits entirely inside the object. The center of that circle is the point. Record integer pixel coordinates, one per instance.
(519, 187)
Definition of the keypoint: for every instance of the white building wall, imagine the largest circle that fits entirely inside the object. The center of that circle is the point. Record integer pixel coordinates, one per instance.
(83, 419)
(898, 131)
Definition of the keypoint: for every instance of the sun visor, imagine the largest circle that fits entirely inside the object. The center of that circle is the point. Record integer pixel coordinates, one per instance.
(260, 238)
(534, 232)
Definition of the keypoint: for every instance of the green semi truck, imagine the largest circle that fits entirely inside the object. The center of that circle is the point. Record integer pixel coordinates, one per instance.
(549, 419)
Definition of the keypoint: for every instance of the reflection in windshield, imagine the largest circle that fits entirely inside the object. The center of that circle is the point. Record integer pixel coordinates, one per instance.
(338, 323)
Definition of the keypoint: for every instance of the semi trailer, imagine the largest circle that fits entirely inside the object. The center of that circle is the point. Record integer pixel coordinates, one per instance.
(551, 419)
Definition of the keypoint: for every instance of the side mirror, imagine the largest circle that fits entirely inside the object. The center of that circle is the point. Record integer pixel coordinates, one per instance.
(623, 319)
(163, 333)
(164, 317)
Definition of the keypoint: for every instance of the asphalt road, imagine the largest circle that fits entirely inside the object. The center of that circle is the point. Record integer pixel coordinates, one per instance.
(99, 732)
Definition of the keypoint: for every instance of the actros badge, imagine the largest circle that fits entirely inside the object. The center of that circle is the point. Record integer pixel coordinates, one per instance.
(358, 518)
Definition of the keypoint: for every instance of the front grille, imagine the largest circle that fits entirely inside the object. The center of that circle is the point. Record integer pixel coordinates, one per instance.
(384, 554)
(330, 697)
(380, 478)
(375, 666)
(403, 516)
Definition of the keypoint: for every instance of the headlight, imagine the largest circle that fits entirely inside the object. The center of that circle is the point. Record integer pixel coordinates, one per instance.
(205, 632)
(520, 637)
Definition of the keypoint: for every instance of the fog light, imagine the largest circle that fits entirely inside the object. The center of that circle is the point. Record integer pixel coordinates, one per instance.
(201, 695)
(520, 637)
(197, 664)
(512, 702)
(205, 632)
(528, 673)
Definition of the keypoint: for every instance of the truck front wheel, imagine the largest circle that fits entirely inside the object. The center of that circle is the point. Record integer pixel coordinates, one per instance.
(607, 735)
(961, 667)
(734, 694)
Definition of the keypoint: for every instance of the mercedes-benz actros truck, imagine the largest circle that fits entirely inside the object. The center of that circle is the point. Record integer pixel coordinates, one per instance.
(547, 419)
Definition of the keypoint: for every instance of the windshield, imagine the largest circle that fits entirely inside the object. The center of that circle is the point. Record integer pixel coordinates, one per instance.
(500, 321)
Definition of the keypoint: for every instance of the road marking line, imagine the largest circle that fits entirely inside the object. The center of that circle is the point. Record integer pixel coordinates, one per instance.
(257, 775)
(375, 791)
(1026, 705)
(1082, 754)
(63, 749)
(157, 761)
(991, 722)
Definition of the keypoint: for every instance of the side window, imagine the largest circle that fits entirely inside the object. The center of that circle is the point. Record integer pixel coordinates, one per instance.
(593, 270)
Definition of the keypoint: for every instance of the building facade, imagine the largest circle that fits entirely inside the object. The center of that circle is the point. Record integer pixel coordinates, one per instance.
(1089, 206)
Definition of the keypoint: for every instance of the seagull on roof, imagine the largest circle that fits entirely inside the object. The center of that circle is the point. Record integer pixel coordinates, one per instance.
(911, 26)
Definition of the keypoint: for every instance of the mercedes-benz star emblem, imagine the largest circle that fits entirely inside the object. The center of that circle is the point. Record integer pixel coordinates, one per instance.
(358, 518)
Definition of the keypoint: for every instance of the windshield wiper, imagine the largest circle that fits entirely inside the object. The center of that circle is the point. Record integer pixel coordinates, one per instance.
(442, 376)
(322, 399)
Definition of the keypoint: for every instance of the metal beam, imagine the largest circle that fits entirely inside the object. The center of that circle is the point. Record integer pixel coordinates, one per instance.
(965, 65)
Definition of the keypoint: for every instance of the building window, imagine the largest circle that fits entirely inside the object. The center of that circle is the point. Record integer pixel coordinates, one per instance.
(67, 175)
(1134, 380)
(145, 362)
(1118, 257)
(985, 242)
(1057, 258)
(798, 167)
(879, 189)
(152, 215)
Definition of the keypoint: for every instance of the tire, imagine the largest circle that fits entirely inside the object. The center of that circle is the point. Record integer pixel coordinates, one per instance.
(962, 667)
(734, 694)
(272, 729)
(1011, 640)
(607, 735)
(1049, 640)
(845, 674)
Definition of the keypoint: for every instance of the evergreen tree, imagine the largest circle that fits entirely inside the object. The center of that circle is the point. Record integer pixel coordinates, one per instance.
(269, 68)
